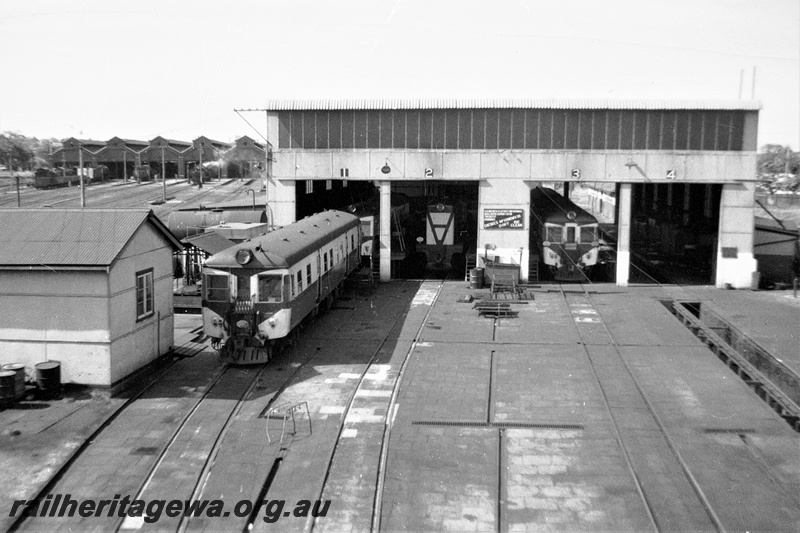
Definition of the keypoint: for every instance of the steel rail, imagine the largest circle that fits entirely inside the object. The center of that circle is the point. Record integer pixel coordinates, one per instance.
(662, 427)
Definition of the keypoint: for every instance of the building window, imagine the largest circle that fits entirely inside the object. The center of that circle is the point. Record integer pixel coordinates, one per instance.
(309, 186)
(144, 294)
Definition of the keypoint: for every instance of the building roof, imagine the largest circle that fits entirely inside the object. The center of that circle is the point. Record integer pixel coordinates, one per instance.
(286, 246)
(210, 242)
(51, 239)
(511, 103)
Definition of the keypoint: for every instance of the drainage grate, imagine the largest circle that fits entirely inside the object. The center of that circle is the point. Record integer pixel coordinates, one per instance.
(339, 307)
(737, 431)
(470, 424)
(145, 450)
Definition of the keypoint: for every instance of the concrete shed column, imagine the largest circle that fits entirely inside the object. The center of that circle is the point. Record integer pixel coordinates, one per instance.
(624, 234)
(386, 231)
(509, 245)
(735, 262)
(280, 198)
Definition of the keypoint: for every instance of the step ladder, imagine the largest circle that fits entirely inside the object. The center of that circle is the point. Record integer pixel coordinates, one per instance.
(533, 268)
(375, 268)
(471, 262)
(398, 235)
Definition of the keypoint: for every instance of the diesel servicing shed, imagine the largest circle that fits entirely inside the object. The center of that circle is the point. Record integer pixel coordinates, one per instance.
(90, 288)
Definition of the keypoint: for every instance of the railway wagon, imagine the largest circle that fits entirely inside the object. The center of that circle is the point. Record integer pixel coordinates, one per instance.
(256, 293)
(45, 178)
(565, 235)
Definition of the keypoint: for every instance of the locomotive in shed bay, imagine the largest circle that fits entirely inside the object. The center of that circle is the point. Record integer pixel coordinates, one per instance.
(256, 293)
(566, 235)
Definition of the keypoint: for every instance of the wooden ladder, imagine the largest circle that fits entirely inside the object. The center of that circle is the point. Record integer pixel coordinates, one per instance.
(471, 262)
(533, 269)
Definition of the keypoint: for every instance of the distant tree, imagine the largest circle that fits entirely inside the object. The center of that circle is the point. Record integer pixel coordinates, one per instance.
(774, 157)
(19, 151)
(778, 168)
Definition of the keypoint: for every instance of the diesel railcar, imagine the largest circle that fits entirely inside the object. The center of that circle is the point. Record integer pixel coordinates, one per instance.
(256, 293)
(566, 235)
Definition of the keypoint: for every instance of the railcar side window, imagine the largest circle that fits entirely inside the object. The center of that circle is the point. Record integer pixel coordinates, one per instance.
(300, 282)
(217, 289)
(269, 288)
(588, 234)
(287, 287)
(554, 233)
(325, 262)
(308, 273)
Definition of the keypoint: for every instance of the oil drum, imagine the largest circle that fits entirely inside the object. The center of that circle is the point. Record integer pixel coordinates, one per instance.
(7, 387)
(48, 377)
(19, 379)
(476, 278)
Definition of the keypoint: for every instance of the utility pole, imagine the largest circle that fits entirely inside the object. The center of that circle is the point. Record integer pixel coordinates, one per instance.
(200, 179)
(18, 202)
(80, 171)
(164, 173)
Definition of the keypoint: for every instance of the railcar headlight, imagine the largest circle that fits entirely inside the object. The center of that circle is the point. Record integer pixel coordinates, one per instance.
(271, 322)
(244, 256)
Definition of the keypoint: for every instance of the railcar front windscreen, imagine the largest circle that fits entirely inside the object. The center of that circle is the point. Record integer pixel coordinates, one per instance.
(588, 234)
(270, 288)
(217, 289)
(554, 233)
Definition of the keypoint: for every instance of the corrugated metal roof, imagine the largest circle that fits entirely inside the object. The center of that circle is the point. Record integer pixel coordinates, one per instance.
(50, 238)
(210, 242)
(511, 103)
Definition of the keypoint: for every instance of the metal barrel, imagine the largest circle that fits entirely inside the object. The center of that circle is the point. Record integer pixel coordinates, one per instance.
(476, 278)
(19, 378)
(7, 387)
(48, 377)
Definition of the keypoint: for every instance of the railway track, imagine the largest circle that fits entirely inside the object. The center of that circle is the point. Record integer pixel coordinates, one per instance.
(177, 464)
(312, 523)
(587, 312)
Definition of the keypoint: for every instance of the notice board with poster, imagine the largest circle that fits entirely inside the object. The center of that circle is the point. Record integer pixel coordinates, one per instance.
(503, 219)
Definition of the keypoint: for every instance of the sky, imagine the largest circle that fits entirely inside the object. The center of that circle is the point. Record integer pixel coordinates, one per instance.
(97, 69)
